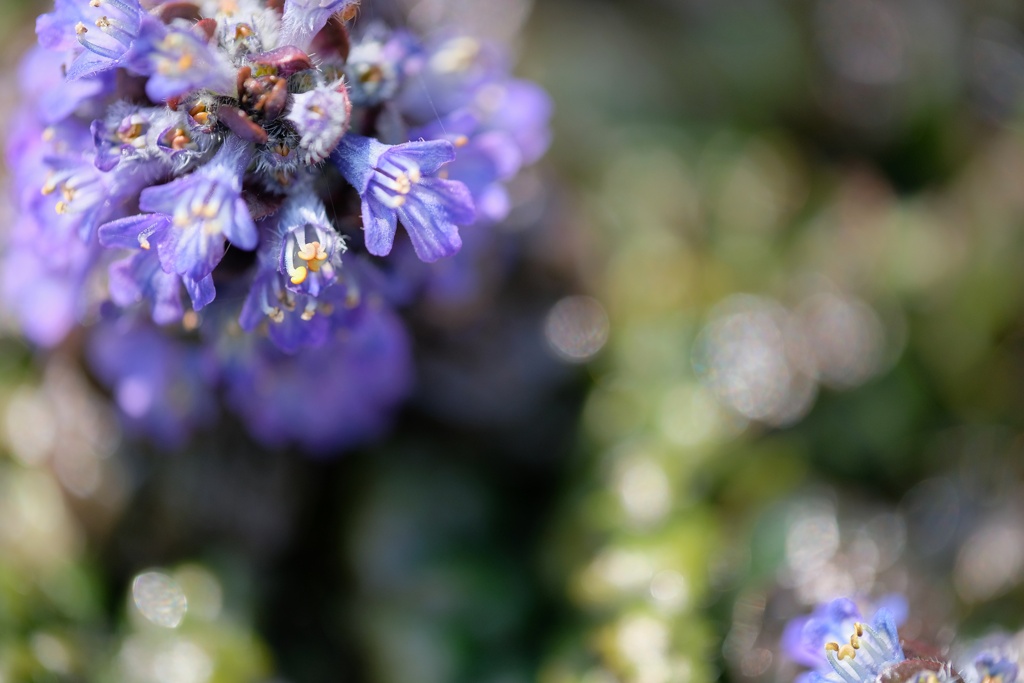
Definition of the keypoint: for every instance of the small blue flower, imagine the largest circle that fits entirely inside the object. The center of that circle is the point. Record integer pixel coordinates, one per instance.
(400, 182)
(304, 246)
(189, 218)
(107, 29)
(320, 117)
(294, 321)
(374, 66)
(178, 61)
(841, 645)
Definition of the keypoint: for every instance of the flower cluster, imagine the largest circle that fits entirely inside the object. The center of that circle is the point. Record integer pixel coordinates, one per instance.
(256, 157)
(840, 646)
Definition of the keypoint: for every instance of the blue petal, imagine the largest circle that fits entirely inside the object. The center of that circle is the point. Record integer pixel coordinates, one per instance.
(379, 224)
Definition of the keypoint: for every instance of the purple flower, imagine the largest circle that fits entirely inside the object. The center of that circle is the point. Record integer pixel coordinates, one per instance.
(178, 61)
(151, 137)
(374, 66)
(139, 277)
(320, 117)
(335, 396)
(293, 321)
(485, 161)
(147, 140)
(54, 96)
(304, 246)
(105, 28)
(399, 182)
(160, 383)
(841, 646)
(192, 216)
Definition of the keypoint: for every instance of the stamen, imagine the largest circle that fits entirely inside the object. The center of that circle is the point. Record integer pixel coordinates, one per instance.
(844, 673)
(847, 651)
(299, 275)
(81, 28)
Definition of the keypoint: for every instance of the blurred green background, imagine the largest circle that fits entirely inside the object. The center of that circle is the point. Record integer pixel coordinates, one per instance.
(769, 342)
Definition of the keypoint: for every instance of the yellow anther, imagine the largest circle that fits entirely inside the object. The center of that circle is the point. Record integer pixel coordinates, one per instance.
(402, 184)
(61, 208)
(312, 251)
(133, 132)
(49, 187)
(832, 646)
(847, 651)
(190, 320)
(102, 22)
(49, 134)
(299, 275)
(94, 3)
(81, 28)
(276, 314)
(855, 641)
(185, 61)
(858, 628)
(461, 141)
(308, 314)
(207, 211)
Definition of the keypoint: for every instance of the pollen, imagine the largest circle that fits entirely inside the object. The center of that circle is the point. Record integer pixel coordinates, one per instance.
(94, 3)
(61, 208)
(81, 28)
(461, 141)
(403, 184)
(299, 275)
(834, 647)
(314, 254)
(847, 652)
